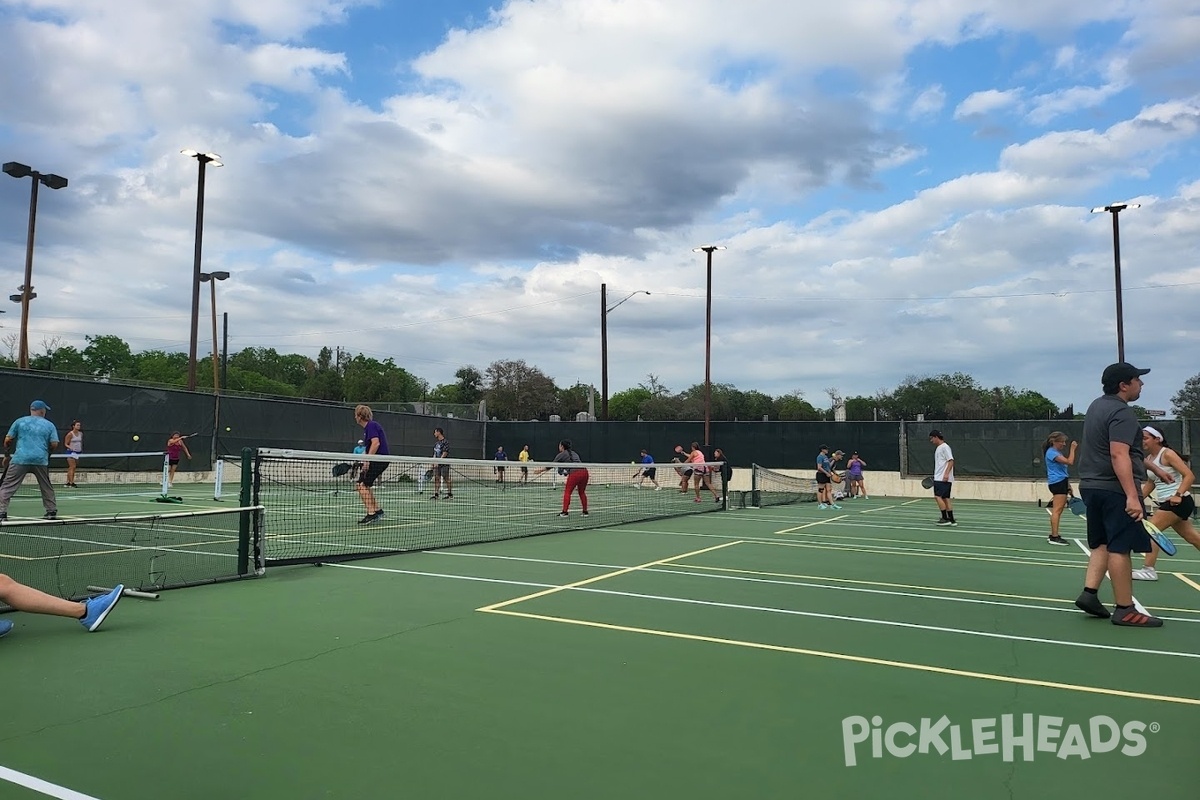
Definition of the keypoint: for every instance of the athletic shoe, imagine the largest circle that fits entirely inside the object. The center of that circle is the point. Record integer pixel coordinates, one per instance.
(1091, 604)
(585, 513)
(1130, 617)
(835, 505)
(1058, 540)
(50, 515)
(564, 514)
(944, 522)
(1145, 574)
(449, 497)
(658, 488)
(822, 506)
(97, 608)
(697, 500)
(5, 627)
(433, 496)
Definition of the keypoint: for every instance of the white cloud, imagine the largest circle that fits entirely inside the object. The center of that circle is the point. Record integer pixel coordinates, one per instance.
(929, 102)
(988, 101)
(473, 215)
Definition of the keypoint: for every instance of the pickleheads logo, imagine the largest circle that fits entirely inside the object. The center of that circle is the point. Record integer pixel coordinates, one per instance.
(1006, 736)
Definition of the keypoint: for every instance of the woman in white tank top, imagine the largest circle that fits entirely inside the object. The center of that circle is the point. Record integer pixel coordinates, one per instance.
(73, 442)
(1174, 504)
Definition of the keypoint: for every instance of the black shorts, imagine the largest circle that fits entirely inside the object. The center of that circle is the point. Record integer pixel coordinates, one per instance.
(442, 470)
(822, 478)
(174, 462)
(371, 474)
(1186, 507)
(942, 489)
(649, 472)
(1061, 487)
(1108, 524)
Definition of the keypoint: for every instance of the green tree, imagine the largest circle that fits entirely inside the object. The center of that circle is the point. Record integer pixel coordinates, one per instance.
(860, 409)
(367, 380)
(572, 400)
(515, 390)
(158, 366)
(244, 380)
(793, 406)
(108, 356)
(626, 406)
(1186, 402)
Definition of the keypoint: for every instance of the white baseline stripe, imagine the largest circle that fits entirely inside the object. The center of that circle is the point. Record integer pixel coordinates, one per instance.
(40, 786)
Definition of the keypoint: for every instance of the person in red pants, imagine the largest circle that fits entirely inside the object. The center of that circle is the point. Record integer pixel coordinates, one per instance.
(577, 477)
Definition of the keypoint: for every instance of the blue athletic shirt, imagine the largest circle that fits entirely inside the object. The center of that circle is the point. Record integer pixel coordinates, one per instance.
(1055, 471)
(647, 459)
(824, 462)
(373, 430)
(34, 437)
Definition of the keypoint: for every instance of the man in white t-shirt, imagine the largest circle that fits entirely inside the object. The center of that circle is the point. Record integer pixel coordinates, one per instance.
(943, 477)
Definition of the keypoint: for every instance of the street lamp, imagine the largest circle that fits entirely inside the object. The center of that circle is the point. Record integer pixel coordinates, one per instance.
(54, 182)
(211, 279)
(1115, 209)
(205, 159)
(604, 310)
(708, 249)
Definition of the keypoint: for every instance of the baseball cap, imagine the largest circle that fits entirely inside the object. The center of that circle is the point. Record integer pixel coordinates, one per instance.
(38, 405)
(1121, 372)
(937, 433)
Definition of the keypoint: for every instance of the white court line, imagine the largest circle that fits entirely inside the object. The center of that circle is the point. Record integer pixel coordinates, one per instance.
(813, 524)
(873, 510)
(42, 787)
(785, 611)
(1141, 608)
(681, 569)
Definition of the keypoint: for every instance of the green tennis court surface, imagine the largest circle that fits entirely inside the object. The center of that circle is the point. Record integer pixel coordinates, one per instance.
(738, 654)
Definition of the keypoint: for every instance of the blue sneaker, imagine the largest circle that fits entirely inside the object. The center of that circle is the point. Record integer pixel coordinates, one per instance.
(5, 627)
(98, 608)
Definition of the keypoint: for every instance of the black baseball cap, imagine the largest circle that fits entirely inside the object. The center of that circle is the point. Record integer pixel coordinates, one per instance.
(937, 433)
(1121, 372)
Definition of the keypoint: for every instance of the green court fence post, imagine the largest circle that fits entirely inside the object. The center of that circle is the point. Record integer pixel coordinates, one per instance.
(244, 498)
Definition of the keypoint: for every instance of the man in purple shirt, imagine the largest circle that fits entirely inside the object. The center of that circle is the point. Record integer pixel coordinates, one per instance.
(376, 443)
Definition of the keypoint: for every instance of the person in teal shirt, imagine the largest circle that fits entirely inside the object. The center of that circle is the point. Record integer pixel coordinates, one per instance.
(35, 437)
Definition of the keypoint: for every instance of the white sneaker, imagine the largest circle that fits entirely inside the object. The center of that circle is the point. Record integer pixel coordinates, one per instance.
(1145, 574)
(822, 506)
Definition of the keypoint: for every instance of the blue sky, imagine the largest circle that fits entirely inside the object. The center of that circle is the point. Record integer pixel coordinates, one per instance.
(903, 187)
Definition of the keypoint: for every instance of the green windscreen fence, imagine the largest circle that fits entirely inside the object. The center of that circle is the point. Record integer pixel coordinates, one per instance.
(996, 449)
(782, 445)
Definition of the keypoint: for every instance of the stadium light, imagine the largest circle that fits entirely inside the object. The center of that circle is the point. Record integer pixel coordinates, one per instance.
(1115, 209)
(708, 249)
(205, 159)
(211, 279)
(17, 170)
(604, 311)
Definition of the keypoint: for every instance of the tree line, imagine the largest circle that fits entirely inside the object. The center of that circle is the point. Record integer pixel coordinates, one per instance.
(513, 389)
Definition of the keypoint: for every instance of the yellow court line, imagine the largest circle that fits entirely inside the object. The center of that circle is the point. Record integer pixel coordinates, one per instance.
(812, 524)
(916, 587)
(554, 589)
(857, 659)
(1187, 580)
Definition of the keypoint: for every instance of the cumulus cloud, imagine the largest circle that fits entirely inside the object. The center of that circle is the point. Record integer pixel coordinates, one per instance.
(471, 212)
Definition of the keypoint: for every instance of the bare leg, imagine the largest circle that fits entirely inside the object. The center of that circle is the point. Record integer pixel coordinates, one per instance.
(26, 598)
(1056, 509)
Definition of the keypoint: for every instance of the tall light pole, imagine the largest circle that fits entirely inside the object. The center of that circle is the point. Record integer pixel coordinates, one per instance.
(211, 279)
(17, 170)
(708, 249)
(1115, 209)
(604, 310)
(205, 159)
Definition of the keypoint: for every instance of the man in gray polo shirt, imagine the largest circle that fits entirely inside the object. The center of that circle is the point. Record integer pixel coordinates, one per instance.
(1111, 472)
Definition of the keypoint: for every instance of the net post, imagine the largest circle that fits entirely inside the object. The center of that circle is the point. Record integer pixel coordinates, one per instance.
(218, 477)
(166, 473)
(244, 498)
